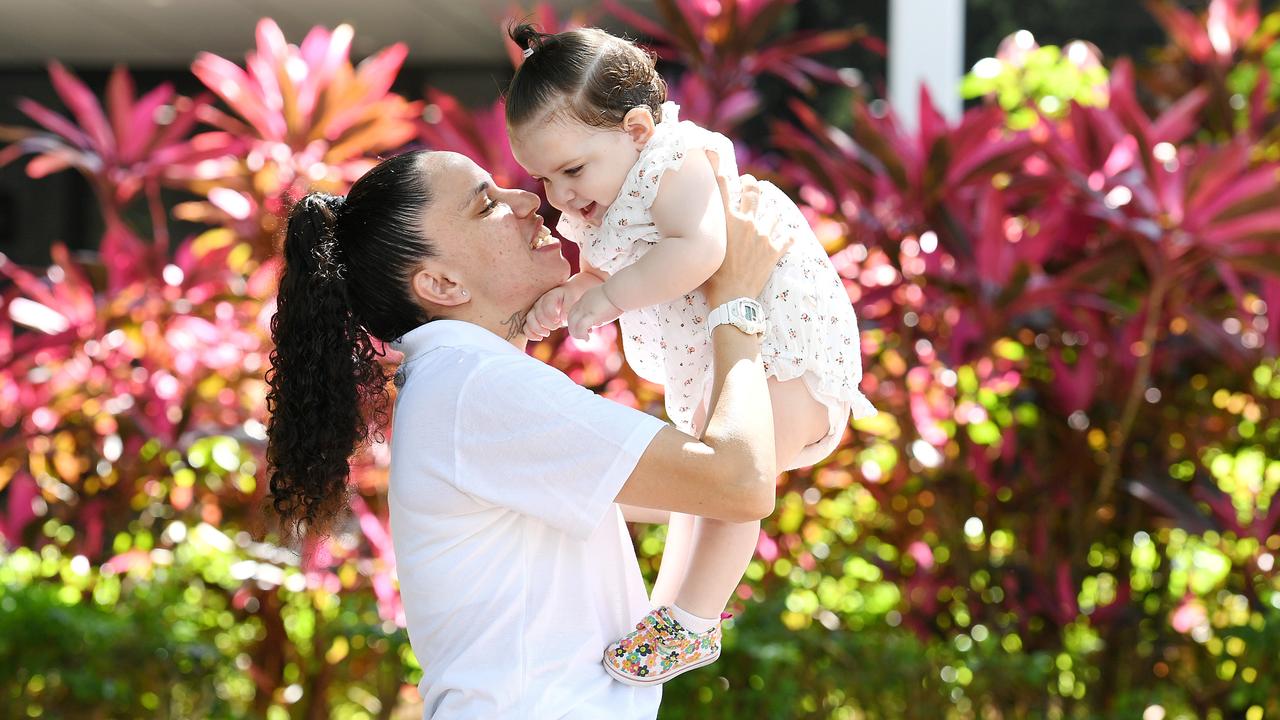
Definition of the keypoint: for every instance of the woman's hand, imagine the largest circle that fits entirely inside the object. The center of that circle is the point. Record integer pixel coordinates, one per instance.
(751, 250)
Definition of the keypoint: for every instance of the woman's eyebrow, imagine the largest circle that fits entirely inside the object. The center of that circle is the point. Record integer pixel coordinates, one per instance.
(471, 198)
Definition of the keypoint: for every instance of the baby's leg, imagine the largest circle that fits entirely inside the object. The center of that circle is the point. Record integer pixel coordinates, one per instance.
(720, 551)
(675, 551)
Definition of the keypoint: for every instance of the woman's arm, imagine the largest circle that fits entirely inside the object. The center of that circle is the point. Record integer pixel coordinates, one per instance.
(729, 473)
(637, 514)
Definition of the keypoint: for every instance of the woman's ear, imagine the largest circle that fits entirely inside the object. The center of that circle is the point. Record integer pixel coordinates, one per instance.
(638, 123)
(434, 284)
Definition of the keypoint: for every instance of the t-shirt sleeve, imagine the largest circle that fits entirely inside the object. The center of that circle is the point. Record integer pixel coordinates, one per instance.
(530, 439)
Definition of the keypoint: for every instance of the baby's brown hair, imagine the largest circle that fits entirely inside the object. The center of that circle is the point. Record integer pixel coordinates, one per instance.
(587, 73)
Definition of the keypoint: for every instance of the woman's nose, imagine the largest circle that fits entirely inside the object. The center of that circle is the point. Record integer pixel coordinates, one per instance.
(524, 203)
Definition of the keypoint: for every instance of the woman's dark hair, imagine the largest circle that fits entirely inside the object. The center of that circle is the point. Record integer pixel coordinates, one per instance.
(347, 263)
(590, 74)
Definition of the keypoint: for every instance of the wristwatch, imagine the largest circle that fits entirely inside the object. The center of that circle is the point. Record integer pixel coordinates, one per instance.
(742, 313)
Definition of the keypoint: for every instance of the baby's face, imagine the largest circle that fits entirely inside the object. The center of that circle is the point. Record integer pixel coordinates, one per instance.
(582, 168)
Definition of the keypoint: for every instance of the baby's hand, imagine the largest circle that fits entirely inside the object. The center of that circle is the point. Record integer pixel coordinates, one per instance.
(593, 310)
(547, 314)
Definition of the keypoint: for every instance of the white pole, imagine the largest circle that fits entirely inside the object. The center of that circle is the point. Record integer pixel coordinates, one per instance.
(926, 45)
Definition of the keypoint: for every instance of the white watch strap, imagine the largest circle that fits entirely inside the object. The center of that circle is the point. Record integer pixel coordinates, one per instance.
(723, 315)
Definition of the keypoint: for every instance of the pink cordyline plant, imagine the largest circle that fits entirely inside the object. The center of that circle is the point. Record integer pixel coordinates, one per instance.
(133, 146)
(725, 45)
(310, 120)
(1222, 51)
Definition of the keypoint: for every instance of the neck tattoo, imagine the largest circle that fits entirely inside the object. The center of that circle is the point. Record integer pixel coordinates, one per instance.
(515, 324)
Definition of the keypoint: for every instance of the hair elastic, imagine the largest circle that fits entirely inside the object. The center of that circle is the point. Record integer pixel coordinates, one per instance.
(527, 52)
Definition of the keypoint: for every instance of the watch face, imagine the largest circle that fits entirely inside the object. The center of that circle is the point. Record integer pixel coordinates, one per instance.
(749, 313)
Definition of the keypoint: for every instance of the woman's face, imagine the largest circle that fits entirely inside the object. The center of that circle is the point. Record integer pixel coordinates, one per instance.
(490, 238)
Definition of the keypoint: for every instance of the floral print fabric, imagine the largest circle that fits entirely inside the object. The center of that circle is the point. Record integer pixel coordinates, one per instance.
(812, 331)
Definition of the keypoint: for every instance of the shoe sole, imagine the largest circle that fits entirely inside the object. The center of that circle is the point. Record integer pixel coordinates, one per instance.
(657, 680)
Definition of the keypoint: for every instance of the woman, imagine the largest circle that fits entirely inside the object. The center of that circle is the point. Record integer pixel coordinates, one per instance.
(507, 478)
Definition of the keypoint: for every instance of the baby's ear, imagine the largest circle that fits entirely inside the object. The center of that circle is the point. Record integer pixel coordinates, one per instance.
(638, 123)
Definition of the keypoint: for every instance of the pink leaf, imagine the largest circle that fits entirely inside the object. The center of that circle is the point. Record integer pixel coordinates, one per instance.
(142, 122)
(127, 561)
(1255, 184)
(1180, 120)
(1124, 101)
(1122, 156)
(19, 513)
(377, 72)
(189, 112)
(124, 254)
(1074, 386)
(1189, 615)
(271, 42)
(229, 82)
(767, 548)
(53, 122)
(321, 72)
(987, 157)
(1259, 108)
(1265, 224)
(48, 164)
(75, 294)
(932, 124)
(372, 528)
(1215, 170)
(120, 92)
(84, 106)
(1067, 608)
(639, 22)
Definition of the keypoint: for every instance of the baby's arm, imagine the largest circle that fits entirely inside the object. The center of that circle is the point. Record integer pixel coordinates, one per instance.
(689, 215)
(551, 311)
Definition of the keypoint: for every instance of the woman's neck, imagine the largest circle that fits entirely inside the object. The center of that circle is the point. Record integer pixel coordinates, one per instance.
(508, 326)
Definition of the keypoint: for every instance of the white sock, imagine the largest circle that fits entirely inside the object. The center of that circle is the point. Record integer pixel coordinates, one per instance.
(691, 622)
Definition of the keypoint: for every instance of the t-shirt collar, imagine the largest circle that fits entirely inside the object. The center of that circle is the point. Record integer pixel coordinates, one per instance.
(449, 333)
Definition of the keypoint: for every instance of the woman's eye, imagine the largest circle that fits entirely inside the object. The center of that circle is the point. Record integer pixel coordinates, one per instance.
(573, 171)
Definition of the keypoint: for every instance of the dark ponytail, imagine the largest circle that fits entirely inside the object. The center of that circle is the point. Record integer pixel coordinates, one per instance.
(596, 77)
(347, 264)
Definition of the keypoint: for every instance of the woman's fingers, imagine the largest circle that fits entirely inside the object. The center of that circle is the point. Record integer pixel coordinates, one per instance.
(749, 198)
(726, 198)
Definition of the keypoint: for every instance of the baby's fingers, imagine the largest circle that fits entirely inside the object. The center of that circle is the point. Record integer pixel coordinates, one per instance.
(579, 324)
(533, 330)
(553, 315)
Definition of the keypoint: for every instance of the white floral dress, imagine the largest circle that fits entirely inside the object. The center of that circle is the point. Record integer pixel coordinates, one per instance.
(812, 332)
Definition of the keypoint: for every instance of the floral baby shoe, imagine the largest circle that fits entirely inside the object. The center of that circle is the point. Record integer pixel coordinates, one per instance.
(660, 649)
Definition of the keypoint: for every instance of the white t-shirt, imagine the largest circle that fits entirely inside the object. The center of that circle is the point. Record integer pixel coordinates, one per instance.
(515, 565)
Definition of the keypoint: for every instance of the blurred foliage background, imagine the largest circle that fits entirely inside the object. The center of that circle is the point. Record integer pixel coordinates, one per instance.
(1067, 507)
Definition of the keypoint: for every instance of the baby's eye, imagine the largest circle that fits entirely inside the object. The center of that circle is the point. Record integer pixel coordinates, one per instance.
(490, 205)
(573, 171)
